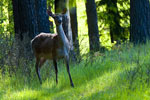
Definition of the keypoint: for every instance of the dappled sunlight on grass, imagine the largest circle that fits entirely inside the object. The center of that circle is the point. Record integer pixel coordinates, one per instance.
(86, 90)
(25, 94)
(101, 84)
(122, 73)
(83, 87)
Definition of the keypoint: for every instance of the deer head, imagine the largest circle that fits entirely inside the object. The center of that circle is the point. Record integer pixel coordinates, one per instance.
(57, 17)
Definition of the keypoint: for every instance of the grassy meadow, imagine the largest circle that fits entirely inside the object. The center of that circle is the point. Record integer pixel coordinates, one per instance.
(120, 74)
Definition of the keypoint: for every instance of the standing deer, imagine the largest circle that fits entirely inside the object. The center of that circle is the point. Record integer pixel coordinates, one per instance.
(52, 47)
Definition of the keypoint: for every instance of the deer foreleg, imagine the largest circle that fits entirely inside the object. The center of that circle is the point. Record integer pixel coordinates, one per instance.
(68, 70)
(56, 70)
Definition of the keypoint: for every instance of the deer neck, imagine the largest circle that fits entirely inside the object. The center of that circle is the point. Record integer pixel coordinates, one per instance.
(61, 34)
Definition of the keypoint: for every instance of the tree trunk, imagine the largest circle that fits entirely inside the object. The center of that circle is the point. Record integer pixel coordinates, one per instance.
(140, 21)
(92, 25)
(114, 24)
(25, 26)
(74, 26)
(42, 17)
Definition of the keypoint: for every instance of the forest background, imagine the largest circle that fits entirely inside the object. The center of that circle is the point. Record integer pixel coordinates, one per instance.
(111, 43)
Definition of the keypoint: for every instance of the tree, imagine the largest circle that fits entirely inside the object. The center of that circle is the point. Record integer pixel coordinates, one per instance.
(140, 21)
(30, 18)
(92, 25)
(42, 17)
(25, 26)
(74, 25)
(112, 17)
(114, 23)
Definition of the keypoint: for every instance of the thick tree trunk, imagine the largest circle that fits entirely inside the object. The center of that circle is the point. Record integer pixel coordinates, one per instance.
(42, 17)
(92, 25)
(25, 26)
(74, 26)
(140, 21)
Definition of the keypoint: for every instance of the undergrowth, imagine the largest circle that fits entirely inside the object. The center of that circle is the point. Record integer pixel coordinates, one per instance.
(120, 74)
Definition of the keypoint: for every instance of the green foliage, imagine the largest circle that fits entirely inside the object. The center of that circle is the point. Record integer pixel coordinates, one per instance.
(110, 16)
(119, 74)
(50, 3)
(6, 18)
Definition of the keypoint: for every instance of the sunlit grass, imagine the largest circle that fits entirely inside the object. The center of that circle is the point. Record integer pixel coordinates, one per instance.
(120, 74)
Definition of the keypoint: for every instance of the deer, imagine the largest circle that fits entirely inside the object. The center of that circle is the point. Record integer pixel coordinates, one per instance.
(52, 47)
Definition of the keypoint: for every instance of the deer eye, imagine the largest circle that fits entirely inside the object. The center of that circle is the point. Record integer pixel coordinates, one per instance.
(59, 21)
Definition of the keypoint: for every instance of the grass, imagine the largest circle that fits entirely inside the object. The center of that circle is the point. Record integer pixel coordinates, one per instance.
(119, 74)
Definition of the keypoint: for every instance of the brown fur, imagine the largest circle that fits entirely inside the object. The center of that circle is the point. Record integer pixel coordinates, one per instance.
(45, 45)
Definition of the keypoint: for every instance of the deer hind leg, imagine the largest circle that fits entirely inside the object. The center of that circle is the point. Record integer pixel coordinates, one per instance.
(38, 70)
(68, 70)
(56, 70)
(42, 61)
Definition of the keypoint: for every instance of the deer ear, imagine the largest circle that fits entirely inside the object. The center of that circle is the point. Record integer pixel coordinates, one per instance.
(64, 11)
(49, 12)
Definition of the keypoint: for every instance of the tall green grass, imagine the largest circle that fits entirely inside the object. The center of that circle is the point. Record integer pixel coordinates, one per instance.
(120, 74)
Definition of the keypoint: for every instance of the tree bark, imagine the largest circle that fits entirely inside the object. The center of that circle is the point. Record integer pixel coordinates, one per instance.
(140, 21)
(25, 26)
(42, 17)
(74, 26)
(92, 25)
